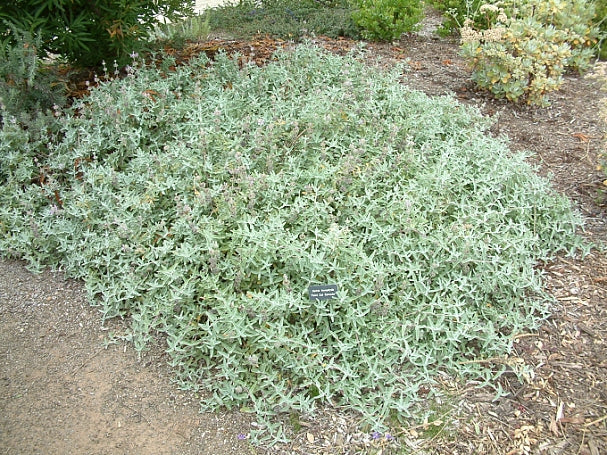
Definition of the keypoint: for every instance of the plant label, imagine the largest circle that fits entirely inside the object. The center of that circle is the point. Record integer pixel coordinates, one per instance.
(322, 292)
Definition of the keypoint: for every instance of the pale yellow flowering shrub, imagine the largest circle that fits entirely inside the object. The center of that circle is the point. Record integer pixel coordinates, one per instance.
(492, 35)
(524, 52)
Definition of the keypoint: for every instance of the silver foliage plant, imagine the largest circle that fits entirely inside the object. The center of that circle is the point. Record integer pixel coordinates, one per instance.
(203, 201)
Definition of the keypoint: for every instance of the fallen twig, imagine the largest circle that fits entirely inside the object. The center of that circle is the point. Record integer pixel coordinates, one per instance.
(594, 422)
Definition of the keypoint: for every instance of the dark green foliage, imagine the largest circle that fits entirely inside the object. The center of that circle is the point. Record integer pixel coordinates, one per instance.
(288, 19)
(87, 32)
(386, 20)
(27, 88)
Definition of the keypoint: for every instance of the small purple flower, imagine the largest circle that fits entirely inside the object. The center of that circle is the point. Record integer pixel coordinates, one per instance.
(133, 55)
(242, 436)
(389, 437)
(376, 435)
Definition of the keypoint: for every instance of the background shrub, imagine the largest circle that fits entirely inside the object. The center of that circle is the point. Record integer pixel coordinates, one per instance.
(600, 73)
(195, 28)
(203, 201)
(600, 20)
(525, 52)
(287, 19)
(87, 32)
(387, 20)
(455, 13)
(29, 90)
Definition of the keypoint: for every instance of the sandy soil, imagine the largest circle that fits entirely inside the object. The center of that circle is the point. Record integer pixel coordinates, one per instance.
(64, 390)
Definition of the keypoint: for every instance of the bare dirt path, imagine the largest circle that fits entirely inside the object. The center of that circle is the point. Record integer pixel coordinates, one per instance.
(63, 390)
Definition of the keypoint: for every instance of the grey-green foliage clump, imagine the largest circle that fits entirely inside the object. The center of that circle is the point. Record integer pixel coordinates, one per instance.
(203, 202)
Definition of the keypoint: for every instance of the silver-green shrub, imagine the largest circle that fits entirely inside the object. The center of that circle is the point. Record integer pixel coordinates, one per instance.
(202, 202)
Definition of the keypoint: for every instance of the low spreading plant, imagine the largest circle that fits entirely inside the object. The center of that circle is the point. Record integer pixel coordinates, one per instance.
(202, 202)
(524, 53)
(387, 20)
(287, 19)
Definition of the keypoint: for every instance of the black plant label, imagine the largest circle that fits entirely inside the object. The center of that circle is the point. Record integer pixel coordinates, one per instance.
(322, 292)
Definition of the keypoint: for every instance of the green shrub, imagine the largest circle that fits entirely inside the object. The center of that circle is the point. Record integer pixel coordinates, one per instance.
(524, 56)
(90, 31)
(455, 13)
(202, 202)
(387, 20)
(28, 89)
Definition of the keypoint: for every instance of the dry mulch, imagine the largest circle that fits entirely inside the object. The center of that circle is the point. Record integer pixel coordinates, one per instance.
(561, 407)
